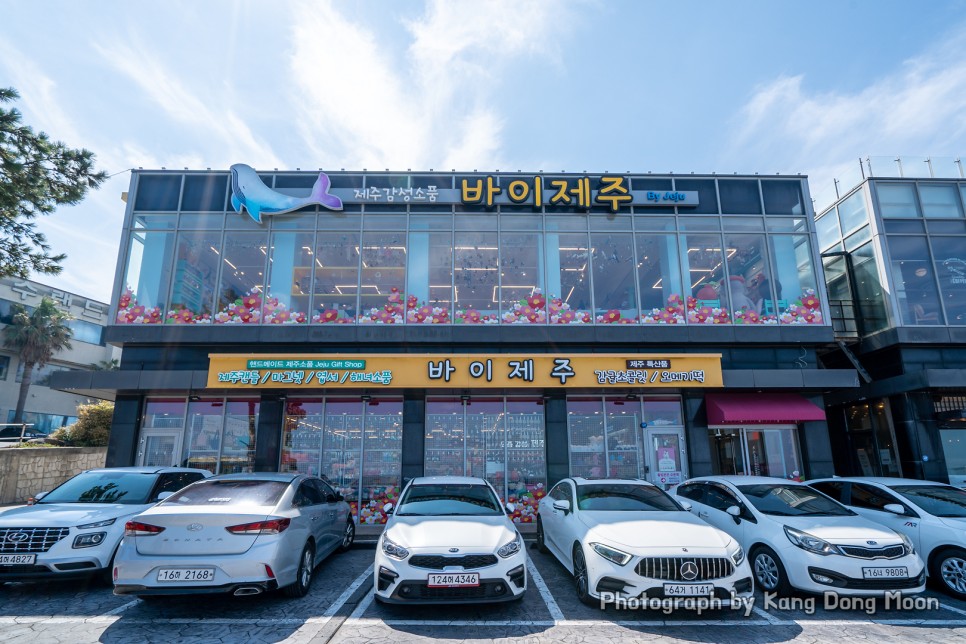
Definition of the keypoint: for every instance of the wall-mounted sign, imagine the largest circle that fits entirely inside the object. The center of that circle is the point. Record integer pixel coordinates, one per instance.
(503, 371)
(249, 193)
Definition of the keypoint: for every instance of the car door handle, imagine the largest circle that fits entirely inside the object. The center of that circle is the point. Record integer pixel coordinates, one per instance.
(702, 514)
(315, 518)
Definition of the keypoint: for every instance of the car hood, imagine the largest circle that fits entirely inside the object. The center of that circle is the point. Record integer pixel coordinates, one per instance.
(842, 529)
(485, 533)
(65, 515)
(652, 529)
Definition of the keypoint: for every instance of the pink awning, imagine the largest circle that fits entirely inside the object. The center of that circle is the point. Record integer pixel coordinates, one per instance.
(760, 409)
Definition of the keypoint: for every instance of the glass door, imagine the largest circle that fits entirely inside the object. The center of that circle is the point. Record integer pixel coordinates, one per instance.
(665, 457)
(159, 447)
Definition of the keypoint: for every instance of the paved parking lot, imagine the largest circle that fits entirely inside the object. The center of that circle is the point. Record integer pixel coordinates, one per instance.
(340, 608)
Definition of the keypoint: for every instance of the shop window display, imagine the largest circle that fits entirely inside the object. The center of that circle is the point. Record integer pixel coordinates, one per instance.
(196, 264)
(476, 277)
(604, 437)
(381, 298)
(238, 443)
(914, 278)
(203, 433)
(568, 278)
(241, 291)
(949, 263)
(704, 258)
(146, 278)
(659, 280)
(289, 283)
(381, 459)
(521, 280)
(793, 280)
(614, 278)
(749, 287)
(336, 285)
(429, 297)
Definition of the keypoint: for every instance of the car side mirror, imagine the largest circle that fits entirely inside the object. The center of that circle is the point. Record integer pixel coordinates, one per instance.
(387, 509)
(686, 505)
(735, 513)
(39, 496)
(564, 506)
(163, 495)
(510, 508)
(894, 508)
(338, 497)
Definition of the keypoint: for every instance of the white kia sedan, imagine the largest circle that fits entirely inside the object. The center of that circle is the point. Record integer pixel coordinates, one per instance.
(932, 515)
(449, 541)
(630, 539)
(237, 533)
(797, 537)
(74, 530)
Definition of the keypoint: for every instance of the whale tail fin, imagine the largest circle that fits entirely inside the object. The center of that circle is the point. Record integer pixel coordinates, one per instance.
(320, 193)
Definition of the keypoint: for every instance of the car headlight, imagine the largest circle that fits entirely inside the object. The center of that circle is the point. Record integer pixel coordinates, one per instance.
(738, 556)
(805, 541)
(393, 549)
(512, 547)
(611, 554)
(907, 542)
(99, 524)
(89, 540)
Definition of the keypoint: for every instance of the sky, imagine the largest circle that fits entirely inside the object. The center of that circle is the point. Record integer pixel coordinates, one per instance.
(679, 86)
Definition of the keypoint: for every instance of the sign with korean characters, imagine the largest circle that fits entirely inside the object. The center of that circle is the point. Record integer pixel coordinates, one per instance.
(502, 371)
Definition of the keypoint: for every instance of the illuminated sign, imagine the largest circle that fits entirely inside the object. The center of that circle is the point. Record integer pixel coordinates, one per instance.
(503, 371)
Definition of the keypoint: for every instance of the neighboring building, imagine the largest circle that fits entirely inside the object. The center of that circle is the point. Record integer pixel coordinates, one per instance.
(895, 246)
(514, 326)
(47, 408)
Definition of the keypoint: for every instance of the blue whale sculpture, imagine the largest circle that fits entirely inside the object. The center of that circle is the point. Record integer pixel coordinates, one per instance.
(250, 193)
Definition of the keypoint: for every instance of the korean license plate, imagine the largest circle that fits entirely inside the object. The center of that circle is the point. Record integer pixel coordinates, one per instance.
(688, 590)
(897, 572)
(186, 574)
(454, 580)
(17, 560)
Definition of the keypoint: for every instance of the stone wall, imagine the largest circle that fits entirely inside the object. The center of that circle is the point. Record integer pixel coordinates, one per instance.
(26, 471)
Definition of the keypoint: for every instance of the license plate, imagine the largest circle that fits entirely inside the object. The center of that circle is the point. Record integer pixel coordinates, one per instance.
(186, 574)
(454, 580)
(688, 590)
(899, 572)
(15, 560)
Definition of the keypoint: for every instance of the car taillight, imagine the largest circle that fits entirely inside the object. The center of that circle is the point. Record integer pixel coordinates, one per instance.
(138, 529)
(273, 526)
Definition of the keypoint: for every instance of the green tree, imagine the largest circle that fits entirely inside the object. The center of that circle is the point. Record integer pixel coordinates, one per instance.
(36, 176)
(35, 337)
(93, 426)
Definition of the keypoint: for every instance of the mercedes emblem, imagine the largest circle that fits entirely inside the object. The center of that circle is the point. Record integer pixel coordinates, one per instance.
(689, 571)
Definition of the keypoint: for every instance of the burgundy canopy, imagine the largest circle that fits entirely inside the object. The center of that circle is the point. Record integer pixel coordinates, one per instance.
(760, 409)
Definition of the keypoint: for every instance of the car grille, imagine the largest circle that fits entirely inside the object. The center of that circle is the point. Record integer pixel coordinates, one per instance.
(670, 568)
(438, 562)
(36, 539)
(890, 552)
(420, 591)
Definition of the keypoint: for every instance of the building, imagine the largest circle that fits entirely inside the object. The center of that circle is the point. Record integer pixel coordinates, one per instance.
(47, 408)
(894, 249)
(376, 326)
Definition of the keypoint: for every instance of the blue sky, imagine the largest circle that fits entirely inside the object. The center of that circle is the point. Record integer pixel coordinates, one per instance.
(680, 86)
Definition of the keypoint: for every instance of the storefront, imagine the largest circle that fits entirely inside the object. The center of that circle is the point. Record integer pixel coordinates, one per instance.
(372, 327)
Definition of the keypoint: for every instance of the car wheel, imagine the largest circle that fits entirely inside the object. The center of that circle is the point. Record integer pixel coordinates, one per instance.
(769, 572)
(303, 578)
(581, 577)
(541, 542)
(949, 568)
(348, 535)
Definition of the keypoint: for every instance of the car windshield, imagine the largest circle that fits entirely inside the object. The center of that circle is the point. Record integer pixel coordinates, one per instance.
(128, 488)
(229, 493)
(448, 499)
(939, 500)
(792, 501)
(623, 497)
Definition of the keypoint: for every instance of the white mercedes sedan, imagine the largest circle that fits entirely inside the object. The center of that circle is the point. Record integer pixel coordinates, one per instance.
(241, 534)
(630, 539)
(449, 541)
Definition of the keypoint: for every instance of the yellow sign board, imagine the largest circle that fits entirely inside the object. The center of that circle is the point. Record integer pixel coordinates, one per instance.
(473, 371)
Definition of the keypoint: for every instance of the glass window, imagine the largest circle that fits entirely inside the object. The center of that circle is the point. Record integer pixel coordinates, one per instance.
(915, 227)
(782, 197)
(852, 212)
(476, 275)
(896, 200)
(158, 192)
(163, 413)
(290, 278)
(749, 287)
(446, 442)
(834, 489)
(707, 195)
(937, 227)
(241, 493)
(694, 491)
(201, 222)
(521, 279)
(940, 201)
(147, 278)
(446, 499)
(646, 221)
(774, 452)
(744, 224)
(858, 238)
(623, 497)
(336, 284)
(914, 281)
(827, 229)
(125, 488)
(663, 412)
(568, 277)
(562, 492)
(238, 444)
(704, 266)
(950, 266)
(173, 482)
(791, 500)
(195, 273)
(719, 498)
(794, 283)
(242, 287)
(622, 422)
(155, 222)
(4, 367)
(940, 500)
(644, 184)
(302, 437)
(699, 223)
(485, 431)
(85, 331)
(307, 495)
(381, 459)
(202, 439)
(615, 278)
(585, 422)
(204, 192)
(430, 294)
(383, 278)
(342, 448)
(659, 279)
(868, 287)
(526, 457)
(739, 196)
(871, 498)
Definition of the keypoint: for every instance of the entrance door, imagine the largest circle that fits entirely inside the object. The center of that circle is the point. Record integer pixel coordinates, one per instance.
(666, 462)
(160, 447)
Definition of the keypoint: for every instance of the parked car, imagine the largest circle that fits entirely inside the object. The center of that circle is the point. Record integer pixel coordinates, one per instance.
(449, 541)
(242, 534)
(74, 530)
(797, 537)
(932, 515)
(630, 538)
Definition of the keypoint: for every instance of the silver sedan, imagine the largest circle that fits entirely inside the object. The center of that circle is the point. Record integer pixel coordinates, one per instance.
(242, 534)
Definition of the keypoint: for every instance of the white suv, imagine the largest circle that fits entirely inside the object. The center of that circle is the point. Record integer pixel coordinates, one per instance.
(74, 530)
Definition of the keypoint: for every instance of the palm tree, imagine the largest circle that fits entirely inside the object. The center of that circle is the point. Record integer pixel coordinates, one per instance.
(36, 337)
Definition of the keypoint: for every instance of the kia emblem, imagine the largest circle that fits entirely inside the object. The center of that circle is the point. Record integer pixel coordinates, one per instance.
(872, 543)
(195, 527)
(454, 549)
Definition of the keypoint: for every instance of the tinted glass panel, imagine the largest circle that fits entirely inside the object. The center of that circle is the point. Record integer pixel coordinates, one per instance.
(782, 197)
(914, 281)
(739, 196)
(204, 192)
(950, 267)
(707, 195)
(158, 192)
(852, 212)
(827, 229)
(940, 201)
(897, 200)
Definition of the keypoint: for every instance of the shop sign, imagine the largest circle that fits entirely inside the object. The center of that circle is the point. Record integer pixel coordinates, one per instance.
(596, 371)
